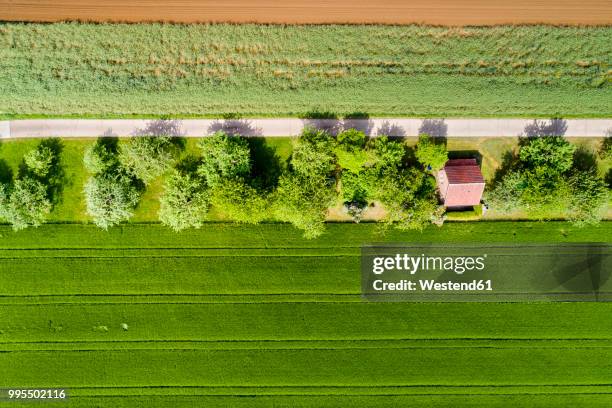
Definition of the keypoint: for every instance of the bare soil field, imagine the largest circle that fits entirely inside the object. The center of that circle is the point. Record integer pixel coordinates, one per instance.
(437, 12)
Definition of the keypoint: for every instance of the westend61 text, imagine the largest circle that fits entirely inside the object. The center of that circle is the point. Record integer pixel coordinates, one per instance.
(432, 285)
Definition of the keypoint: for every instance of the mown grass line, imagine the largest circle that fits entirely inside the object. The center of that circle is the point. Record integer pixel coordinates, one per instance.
(311, 367)
(276, 235)
(306, 321)
(297, 344)
(359, 401)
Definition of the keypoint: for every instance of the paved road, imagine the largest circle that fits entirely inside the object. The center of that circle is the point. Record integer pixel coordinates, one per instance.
(292, 126)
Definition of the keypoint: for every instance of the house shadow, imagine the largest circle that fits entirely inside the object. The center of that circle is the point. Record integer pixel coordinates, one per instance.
(235, 127)
(322, 120)
(391, 130)
(552, 127)
(466, 154)
(359, 121)
(266, 166)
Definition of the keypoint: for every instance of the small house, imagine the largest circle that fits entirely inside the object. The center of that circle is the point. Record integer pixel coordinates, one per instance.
(460, 183)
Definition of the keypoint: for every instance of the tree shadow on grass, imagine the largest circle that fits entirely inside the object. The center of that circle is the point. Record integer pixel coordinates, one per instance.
(267, 166)
(188, 164)
(585, 159)
(6, 173)
(508, 164)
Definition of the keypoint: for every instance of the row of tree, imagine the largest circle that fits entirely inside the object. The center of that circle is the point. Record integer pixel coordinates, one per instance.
(545, 177)
(550, 177)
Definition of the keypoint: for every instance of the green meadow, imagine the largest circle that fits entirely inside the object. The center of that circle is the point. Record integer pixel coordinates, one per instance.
(151, 70)
(234, 315)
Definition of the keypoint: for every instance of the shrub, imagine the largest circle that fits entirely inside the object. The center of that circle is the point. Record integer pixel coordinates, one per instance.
(409, 199)
(239, 202)
(304, 203)
(185, 201)
(25, 204)
(147, 157)
(589, 198)
(224, 157)
(110, 199)
(429, 154)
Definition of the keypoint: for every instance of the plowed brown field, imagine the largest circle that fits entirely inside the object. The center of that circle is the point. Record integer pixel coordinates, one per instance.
(443, 12)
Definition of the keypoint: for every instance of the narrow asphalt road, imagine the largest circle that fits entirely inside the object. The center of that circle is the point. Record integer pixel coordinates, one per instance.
(292, 126)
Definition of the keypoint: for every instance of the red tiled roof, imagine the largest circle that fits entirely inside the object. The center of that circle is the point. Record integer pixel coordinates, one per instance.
(461, 183)
(460, 171)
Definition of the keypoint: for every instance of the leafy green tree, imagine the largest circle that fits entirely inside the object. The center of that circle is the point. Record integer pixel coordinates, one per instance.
(224, 157)
(431, 154)
(185, 201)
(313, 154)
(409, 198)
(25, 204)
(239, 202)
(110, 199)
(101, 156)
(386, 152)
(40, 161)
(147, 157)
(304, 202)
(350, 150)
(552, 155)
(588, 199)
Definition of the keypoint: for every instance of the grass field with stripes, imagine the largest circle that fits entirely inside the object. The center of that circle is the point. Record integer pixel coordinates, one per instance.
(232, 315)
